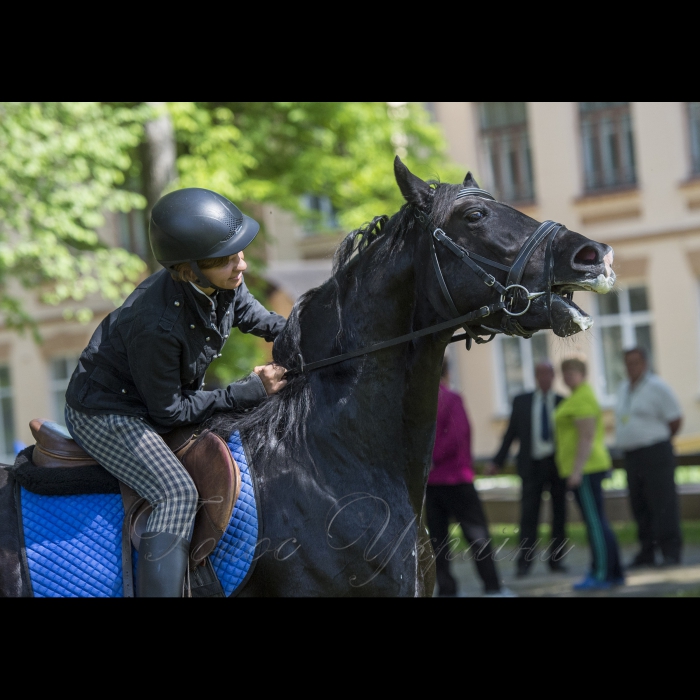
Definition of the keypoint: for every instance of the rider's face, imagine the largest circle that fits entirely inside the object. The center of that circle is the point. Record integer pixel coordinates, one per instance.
(230, 275)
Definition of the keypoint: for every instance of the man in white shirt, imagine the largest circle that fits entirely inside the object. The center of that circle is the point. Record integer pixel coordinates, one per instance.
(647, 416)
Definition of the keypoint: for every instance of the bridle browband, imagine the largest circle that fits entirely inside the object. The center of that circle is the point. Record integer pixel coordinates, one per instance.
(508, 292)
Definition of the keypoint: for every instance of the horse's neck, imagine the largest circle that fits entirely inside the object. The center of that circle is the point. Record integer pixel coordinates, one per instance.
(388, 408)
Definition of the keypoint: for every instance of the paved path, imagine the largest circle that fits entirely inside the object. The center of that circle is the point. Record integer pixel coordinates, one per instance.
(650, 582)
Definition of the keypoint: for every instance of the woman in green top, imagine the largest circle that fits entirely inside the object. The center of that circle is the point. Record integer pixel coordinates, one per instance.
(584, 461)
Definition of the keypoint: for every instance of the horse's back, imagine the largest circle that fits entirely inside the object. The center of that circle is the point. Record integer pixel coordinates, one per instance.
(70, 545)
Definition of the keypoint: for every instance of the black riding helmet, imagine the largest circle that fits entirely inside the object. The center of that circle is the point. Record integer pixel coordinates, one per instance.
(194, 224)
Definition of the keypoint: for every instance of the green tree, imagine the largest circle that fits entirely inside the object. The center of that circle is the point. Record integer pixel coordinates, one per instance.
(62, 165)
(274, 152)
(257, 153)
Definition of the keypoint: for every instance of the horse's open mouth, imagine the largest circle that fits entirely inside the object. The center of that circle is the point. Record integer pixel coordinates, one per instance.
(567, 317)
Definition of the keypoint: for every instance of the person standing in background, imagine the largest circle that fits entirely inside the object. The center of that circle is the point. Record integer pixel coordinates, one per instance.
(451, 494)
(584, 461)
(647, 416)
(532, 425)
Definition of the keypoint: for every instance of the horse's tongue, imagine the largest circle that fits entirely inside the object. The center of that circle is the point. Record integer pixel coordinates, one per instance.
(568, 318)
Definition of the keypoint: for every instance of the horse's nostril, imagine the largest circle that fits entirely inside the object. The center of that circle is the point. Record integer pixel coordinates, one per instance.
(586, 256)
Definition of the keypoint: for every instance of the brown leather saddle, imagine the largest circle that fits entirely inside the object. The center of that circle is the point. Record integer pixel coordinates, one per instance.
(205, 456)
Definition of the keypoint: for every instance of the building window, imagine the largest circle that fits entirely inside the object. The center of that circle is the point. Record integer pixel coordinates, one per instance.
(516, 359)
(132, 232)
(323, 216)
(694, 125)
(506, 150)
(61, 371)
(7, 424)
(624, 321)
(608, 148)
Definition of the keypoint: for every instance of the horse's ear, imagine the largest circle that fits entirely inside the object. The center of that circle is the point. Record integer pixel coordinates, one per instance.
(414, 190)
(469, 181)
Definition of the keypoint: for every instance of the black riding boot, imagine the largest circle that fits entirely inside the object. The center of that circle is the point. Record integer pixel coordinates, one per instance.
(162, 565)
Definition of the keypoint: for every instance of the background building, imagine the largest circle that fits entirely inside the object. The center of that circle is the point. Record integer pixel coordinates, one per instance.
(34, 376)
(627, 174)
(623, 173)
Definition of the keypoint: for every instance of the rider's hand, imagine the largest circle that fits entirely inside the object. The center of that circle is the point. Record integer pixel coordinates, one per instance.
(271, 376)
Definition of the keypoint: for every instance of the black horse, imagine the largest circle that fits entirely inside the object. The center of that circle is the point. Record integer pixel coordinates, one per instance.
(341, 455)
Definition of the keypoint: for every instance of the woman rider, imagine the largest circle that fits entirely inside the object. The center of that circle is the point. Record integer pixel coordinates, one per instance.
(142, 373)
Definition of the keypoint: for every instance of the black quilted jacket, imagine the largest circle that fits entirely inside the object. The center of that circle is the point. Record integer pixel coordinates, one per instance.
(149, 356)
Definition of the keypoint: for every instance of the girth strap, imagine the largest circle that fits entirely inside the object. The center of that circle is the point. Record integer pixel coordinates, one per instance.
(132, 502)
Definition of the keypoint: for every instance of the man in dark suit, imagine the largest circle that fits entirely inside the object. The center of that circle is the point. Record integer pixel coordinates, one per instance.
(532, 424)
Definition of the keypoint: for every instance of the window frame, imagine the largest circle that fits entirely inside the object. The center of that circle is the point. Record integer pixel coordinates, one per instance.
(693, 138)
(614, 114)
(132, 233)
(494, 137)
(504, 402)
(56, 385)
(325, 215)
(629, 320)
(7, 452)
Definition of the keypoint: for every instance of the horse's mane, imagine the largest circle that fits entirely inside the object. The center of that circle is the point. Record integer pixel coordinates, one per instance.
(281, 419)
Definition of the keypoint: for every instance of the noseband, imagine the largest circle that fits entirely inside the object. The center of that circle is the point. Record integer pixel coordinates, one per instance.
(508, 292)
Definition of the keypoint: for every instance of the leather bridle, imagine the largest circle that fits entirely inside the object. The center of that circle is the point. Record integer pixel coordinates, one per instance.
(509, 292)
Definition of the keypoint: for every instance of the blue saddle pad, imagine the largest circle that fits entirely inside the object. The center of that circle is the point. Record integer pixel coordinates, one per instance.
(73, 543)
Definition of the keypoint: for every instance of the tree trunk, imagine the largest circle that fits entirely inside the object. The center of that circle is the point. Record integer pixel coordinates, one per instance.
(158, 154)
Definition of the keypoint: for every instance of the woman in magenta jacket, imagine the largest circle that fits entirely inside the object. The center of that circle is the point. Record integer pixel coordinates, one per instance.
(451, 494)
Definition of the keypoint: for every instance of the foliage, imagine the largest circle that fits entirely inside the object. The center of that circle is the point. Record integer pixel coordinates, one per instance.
(688, 593)
(62, 165)
(241, 353)
(275, 152)
(258, 153)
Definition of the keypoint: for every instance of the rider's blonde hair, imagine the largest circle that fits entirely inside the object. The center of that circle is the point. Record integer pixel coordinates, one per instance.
(575, 364)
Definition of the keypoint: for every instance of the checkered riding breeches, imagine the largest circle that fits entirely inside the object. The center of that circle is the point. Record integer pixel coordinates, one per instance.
(129, 449)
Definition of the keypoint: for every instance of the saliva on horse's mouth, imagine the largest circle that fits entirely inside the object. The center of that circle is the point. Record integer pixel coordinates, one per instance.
(566, 318)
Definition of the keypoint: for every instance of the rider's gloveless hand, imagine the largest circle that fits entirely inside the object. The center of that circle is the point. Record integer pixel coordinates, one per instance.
(271, 376)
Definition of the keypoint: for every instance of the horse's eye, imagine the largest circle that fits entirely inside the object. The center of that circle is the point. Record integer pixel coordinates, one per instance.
(474, 216)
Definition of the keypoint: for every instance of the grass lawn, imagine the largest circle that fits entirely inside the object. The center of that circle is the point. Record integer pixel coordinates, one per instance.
(617, 480)
(626, 533)
(689, 593)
